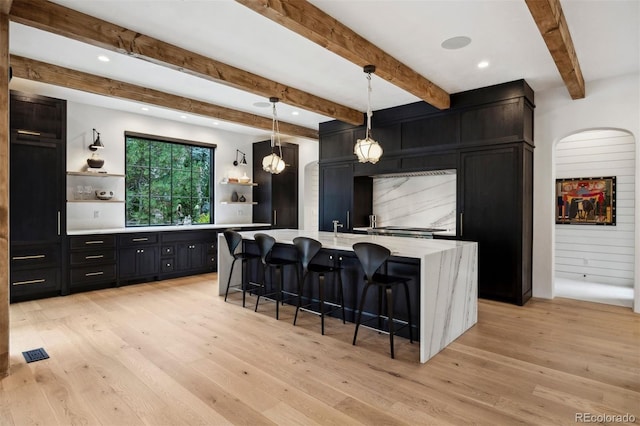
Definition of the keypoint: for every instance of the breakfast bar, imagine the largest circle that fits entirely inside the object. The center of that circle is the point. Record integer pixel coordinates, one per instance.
(445, 274)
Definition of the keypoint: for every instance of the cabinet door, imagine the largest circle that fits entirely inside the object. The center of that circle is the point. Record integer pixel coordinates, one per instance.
(490, 215)
(35, 181)
(191, 256)
(336, 193)
(127, 262)
(284, 198)
(147, 261)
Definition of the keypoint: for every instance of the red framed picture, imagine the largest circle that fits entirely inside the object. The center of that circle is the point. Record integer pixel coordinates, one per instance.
(586, 201)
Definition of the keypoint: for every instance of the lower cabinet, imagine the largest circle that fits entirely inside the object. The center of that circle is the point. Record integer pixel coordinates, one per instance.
(138, 256)
(188, 252)
(92, 262)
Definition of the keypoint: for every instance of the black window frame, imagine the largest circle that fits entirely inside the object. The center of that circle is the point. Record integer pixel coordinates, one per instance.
(175, 141)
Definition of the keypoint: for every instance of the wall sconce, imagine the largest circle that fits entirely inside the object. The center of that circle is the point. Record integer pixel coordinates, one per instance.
(95, 162)
(243, 161)
(97, 144)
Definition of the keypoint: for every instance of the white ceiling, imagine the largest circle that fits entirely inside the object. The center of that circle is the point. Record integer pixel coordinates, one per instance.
(606, 34)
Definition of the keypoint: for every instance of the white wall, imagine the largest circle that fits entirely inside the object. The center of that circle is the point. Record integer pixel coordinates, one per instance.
(609, 104)
(308, 153)
(112, 124)
(599, 254)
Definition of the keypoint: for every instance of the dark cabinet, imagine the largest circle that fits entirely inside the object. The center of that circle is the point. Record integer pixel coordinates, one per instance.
(37, 217)
(344, 197)
(188, 252)
(92, 262)
(276, 195)
(495, 210)
(138, 256)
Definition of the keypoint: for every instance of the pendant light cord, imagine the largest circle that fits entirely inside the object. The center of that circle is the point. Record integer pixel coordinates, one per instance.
(275, 131)
(369, 112)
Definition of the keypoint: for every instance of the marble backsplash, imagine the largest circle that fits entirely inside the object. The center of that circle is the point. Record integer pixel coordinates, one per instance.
(417, 201)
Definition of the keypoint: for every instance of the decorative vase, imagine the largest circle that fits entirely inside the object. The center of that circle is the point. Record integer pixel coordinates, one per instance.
(242, 199)
(234, 196)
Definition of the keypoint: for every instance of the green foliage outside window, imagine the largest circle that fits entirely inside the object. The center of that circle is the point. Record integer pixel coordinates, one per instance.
(166, 182)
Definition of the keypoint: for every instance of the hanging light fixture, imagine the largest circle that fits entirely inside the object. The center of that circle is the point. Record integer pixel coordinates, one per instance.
(273, 163)
(367, 149)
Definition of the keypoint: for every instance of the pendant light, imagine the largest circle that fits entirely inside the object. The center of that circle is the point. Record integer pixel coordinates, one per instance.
(273, 163)
(367, 149)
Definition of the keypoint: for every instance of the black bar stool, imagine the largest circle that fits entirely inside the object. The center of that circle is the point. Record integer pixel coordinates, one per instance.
(269, 263)
(308, 248)
(372, 257)
(233, 241)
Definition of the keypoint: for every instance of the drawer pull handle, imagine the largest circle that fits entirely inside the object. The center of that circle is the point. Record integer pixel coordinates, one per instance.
(96, 256)
(28, 132)
(140, 239)
(93, 274)
(35, 256)
(38, 281)
(94, 242)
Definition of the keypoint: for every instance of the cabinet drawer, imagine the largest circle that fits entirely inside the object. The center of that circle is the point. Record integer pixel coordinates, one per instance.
(91, 274)
(167, 251)
(212, 247)
(34, 281)
(92, 241)
(34, 256)
(211, 260)
(143, 238)
(167, 265)
(89, 257)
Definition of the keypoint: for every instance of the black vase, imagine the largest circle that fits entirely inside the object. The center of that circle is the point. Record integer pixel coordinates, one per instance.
(234, 196)
(242, 199)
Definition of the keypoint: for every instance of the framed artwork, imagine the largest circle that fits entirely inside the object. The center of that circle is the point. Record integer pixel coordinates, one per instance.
(586, 201)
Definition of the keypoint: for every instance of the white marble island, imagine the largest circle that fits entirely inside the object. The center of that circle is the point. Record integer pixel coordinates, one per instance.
(448, 285)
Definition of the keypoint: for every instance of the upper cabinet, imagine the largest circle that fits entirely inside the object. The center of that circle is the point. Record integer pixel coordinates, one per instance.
(276, 194)
(38, 115)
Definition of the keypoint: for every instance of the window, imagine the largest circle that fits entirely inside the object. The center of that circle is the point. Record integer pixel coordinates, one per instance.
(167, 181)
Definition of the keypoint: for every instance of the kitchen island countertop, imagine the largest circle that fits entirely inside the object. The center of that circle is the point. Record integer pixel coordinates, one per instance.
(448, 278)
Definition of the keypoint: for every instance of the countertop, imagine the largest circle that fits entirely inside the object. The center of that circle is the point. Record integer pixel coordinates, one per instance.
(399, 246)
(163, 228)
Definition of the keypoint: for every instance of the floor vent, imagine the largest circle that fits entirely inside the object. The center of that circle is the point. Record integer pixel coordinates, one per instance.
(35, 355)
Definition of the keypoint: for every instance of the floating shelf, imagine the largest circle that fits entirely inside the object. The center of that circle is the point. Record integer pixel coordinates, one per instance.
(239, 183)
(95, 201)
(94, 174)
(238, 202)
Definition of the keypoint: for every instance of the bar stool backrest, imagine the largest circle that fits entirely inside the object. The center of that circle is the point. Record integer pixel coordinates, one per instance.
(233, 240)
(307, 249)
(371, 257)
(265, 244)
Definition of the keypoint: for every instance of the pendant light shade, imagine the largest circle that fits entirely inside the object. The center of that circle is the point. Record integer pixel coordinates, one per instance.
(273, 163)
(368, 150)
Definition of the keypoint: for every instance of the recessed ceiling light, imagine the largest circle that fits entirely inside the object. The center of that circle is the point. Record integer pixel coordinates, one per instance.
(183, 116)
(103, 58)
(454, 43)
(261, 104)
(483, 64)
(295, 113)
(215, 123)
(144, 109)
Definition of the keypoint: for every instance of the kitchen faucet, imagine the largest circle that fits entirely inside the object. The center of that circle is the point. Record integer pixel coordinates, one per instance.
(336, 225)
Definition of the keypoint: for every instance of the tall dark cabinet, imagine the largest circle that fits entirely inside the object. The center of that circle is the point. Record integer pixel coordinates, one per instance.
(37, 195)
(487, 136)
(276, 195)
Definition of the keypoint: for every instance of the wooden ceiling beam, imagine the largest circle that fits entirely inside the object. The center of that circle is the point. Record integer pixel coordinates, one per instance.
(553, 26)
(309, 21)
(70, 23)
(5, 6)
(59, 76)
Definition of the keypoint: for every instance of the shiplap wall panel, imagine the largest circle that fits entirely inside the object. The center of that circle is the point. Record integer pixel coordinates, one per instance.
(604, 254)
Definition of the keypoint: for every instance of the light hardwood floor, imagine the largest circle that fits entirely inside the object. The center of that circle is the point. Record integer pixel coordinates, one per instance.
(173, 353)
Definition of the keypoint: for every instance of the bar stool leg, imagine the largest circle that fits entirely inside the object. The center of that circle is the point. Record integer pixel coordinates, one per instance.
(321, 294)
(279, 290)
(406, 292)
(226, 293)
(389, 294)
(300, 290)
(264, 286)
(359, 317)
(339, 273)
